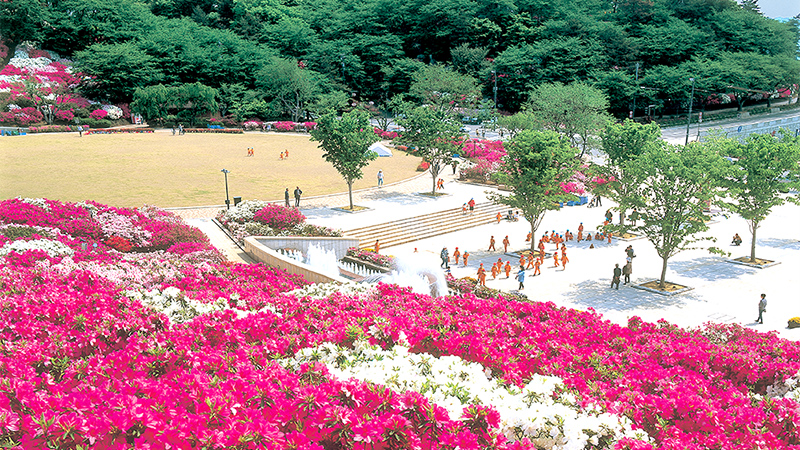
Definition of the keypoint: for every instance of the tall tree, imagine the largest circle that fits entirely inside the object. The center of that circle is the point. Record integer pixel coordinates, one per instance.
(763, 167)
(671, 186)
(433, 134)
(443, 88)
(624, 143)
(117, 70)
(20, 20)
(577, 111)
(345, 141)
(291, 85)
(537, 162)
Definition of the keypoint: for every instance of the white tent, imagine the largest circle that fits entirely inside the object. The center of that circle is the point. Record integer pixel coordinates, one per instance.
(380, 149)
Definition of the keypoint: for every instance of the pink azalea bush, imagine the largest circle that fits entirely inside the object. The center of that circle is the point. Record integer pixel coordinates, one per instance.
(484, 150)
(284, 126)
(385, 134)
(279, 217)
(98, 114)
(370, 256)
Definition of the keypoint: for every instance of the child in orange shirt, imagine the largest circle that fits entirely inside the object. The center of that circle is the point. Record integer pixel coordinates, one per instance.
(456, 255)
(537, 270)
(506, 242)
(508, 269)
(466, 258)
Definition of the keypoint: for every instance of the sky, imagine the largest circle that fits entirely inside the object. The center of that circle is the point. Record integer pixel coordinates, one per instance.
(780, 8)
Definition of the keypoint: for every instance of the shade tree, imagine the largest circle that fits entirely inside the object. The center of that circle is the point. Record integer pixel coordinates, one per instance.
(669, 186)
(535, 166)
(345, 143)
(763, 168)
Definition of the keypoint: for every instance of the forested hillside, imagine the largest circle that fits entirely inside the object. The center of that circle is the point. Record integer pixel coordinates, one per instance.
(275, 58)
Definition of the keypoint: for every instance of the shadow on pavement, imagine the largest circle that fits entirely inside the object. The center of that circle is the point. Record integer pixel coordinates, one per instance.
(709, 268)
(599, 295)
(791, 244)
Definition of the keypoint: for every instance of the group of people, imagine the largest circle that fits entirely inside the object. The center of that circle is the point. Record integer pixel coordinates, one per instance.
(445, 256)
(625, 271)
(285, 155)
(469, 205)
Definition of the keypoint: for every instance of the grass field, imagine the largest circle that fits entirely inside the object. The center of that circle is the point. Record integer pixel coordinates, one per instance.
(168, 171)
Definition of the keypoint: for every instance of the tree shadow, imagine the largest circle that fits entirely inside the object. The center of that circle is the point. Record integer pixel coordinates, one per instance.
(709, 268)
(599, 295)
(790, 244)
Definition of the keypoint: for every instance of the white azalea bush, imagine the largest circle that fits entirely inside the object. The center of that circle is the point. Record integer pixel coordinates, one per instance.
(114, 112)
(172, 302)
(51, 247)
(543, 411)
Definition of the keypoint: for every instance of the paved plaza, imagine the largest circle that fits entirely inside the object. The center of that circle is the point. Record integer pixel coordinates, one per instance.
(721, 291)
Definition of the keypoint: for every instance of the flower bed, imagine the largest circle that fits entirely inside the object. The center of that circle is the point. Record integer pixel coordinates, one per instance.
(214, 130)
(117, 130)
(371, 257)
(174, 349)
(260, 218)
(52, 129)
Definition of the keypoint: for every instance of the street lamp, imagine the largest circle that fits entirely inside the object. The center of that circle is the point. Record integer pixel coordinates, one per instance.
(633, 112)
(689, 119)
(227, 198)
(494, 77)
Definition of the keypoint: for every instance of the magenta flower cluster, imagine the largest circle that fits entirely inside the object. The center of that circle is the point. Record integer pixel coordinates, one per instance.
(84, 365)
(279, 217)
(385, 134)
(484, 150)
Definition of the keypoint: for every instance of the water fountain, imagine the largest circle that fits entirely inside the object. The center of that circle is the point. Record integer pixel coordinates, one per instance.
(421, 272)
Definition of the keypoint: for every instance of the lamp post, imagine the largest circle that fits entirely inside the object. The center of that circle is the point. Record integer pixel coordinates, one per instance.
(494, 77)
(689, 119)
(227, 198)
(633, 112)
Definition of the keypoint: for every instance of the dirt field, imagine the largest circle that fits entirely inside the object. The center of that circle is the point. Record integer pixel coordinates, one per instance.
(167, 171)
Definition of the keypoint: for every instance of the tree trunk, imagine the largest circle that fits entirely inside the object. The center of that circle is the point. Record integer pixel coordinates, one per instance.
(661, 283)
(753, 228)
(622, 218)
(350, 192)
(435, 173)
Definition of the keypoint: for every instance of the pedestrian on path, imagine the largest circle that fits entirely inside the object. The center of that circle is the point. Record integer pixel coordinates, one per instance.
(495, 271)
(481, 276)
(380, 178)
(521, 278)
(626, 270)
(506, 243)
(377, 246)
(762, 308)
(499, 216)
(564, 259)
(617, 273)
(464, 209)
(286, 195)
(471, 204)
(454, 164)
(507, 269)
(456, 255)
(445, 255)
(491, 244)
(297, 194)
(466, 258)
(537, 270)
(555, 259)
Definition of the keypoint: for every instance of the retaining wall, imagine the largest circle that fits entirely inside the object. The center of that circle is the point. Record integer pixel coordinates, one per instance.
(263, 249)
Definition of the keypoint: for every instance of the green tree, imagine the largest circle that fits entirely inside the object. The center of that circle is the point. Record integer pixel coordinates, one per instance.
(536, 163)
(670, 187)
(443, 88)
(623, 143)
(292, 86)
(469, 61)
(345, 141)
(435, 136)
(577, 111)
(195, 99)
(763, 167)
(516, 123)
(20, 20)
(116, 70)
(154, 103)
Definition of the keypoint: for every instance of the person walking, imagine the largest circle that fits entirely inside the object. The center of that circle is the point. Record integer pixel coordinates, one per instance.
(507, 269)
(537, 268)
(506, 243)
(521, 278)
(286, 196)
(481, 275)
(377, 245)
(456, 255)
(762, 308)
(491, 244)
(471, 204)
(297, 194)
(626, 270)
(445, 255)
(466, 258)
(617, 273)
(380, 178)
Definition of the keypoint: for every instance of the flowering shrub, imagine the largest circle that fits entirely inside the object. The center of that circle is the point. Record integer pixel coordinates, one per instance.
(385, 134)
(252, 125)
(119, 243)
(240, 221)
(65, 115)
(370, 256)
(310, 126)
(112, 112)
(279, 217)
(284, 126)
(484, 150)
(98, 114)
(423, 166)
(480, 172)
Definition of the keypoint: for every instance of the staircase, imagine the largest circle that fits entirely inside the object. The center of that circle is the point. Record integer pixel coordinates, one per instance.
(427, 225)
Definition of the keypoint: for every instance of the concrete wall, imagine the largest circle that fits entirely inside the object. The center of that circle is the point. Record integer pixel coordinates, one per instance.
(740, 132)
(263, 248)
